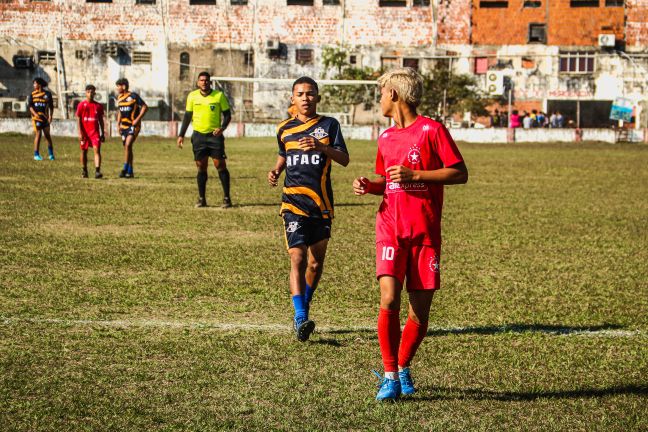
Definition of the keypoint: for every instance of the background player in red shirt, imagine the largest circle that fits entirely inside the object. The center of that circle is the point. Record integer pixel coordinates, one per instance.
(416, 157)
(90, 122)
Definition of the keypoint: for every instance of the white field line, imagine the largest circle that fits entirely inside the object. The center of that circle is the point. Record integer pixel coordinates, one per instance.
(282, 328)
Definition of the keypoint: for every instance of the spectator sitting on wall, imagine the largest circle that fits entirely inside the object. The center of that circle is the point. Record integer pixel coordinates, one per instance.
(515, 119)
(560, 120)
(527, 121)
(534, 118)
(541, 119)
(503, 119)
(496, 119)
(552, 120)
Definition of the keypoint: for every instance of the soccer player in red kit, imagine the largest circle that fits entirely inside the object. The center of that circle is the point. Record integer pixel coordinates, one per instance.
(90, 122)
(416, 158)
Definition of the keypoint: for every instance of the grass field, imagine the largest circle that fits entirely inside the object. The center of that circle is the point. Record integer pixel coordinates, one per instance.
(124, 308)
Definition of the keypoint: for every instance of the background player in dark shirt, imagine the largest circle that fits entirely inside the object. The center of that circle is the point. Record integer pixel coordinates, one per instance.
(131, 109)
(41, 108)
(307, 145)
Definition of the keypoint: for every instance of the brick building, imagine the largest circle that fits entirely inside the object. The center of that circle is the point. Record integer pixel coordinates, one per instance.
(573, 55)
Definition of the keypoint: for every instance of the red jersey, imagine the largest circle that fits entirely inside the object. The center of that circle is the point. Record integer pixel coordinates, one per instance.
(90, 113)
(410, 213)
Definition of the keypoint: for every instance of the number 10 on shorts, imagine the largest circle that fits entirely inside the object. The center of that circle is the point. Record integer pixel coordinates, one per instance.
(388, 253)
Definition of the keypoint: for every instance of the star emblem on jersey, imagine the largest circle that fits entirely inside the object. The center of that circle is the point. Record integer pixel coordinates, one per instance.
(292, 227)
(414, 155)
(434, 264)
(319, 133)
(212, 107)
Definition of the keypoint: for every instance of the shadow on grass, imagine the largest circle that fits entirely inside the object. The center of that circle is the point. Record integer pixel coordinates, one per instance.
(503, 329)
(444, 393)
(330, 342)
(524, 328)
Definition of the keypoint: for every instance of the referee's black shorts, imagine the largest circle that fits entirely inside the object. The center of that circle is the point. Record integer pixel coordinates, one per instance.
(208, 145)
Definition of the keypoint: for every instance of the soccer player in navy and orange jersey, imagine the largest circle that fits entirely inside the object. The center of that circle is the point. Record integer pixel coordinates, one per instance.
(131, 109)
(308, 143)
(41, 108)
(90, 122)
(416, 158)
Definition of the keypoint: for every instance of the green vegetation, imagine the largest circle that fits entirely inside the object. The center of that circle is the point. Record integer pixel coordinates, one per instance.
(124, 308)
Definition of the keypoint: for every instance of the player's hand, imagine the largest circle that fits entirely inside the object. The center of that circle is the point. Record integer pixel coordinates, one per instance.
(361, 186)
(273, 177)
(309, 144)
(400, 174)
(180, 142)
(217, 132)
(102, 138)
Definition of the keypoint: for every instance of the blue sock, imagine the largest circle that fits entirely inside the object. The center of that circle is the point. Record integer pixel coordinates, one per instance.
(130, 169)
(300, 308)
(309, 293)
(36, 153)
(50, 150)
(126, 166)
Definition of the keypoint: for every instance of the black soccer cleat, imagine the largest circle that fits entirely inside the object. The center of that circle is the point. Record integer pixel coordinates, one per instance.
(122, 174)
(84, 174)
(227, 203)
(303, 329)
(202, 202)
(98, 175)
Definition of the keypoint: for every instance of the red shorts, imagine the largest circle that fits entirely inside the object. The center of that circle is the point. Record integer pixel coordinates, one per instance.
(86, 142)
(419, 264)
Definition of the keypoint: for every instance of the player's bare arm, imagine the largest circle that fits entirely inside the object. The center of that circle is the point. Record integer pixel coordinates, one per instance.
(273, 174)
(80, 127)
(312, 144)
(455, 174)
(363, 186)
(138, 119)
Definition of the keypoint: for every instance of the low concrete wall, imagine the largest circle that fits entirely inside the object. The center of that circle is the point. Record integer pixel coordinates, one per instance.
(68, 128)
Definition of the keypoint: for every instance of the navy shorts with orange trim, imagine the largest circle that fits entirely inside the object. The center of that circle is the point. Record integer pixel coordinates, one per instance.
(305, 230)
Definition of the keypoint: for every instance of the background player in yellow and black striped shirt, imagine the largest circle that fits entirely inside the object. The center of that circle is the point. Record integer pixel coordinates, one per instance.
(130, 110)
(41, 108)
(308, 143)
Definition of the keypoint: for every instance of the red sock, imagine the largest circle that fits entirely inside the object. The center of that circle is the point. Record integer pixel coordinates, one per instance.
(413, 335)
(389, 334)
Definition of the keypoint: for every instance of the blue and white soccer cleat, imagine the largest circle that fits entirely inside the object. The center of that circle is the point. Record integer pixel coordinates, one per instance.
(406, 381)
(38, 157)
(303, 329)
(51, 156)
(388, 389)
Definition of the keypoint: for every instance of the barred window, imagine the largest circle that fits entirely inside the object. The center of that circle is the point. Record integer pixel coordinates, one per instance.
(142, 57)
(577, 62)
(304, 56)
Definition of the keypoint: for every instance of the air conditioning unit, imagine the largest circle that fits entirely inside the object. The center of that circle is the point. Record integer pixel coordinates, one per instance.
(606, 40)
(495, 83)
(19, 106)
(272, 44)
(101, 96)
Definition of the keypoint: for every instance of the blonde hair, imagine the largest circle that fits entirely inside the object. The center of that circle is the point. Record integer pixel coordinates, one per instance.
(406, 82)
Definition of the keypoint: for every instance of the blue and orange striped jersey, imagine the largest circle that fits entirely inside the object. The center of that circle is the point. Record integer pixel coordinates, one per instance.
(307, 185)
(129, 104)
(40, 101)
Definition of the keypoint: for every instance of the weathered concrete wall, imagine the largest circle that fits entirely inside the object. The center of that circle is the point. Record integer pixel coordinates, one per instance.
(67, 128)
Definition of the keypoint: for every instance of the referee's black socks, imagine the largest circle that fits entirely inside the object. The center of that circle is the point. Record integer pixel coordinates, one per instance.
(201, 178)
(225, 181)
